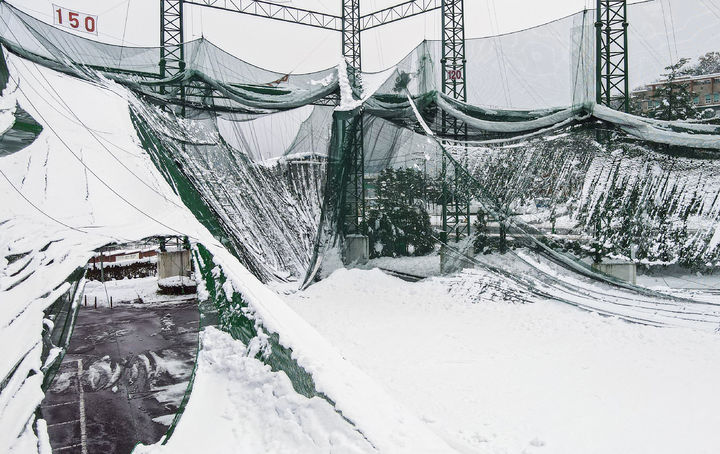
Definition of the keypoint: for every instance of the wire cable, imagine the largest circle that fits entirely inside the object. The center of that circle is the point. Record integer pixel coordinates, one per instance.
(44, 213)
(120, 196)
(90, 130)
(122, 42)
(667, 33)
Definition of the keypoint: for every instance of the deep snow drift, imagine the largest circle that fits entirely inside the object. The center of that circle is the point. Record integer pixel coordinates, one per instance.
(504, 377)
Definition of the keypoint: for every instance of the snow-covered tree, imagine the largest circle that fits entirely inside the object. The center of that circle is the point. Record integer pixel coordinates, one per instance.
(398, 223)
(707, 64)
(674, 98)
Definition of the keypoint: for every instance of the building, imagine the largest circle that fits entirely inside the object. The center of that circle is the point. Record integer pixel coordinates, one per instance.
(705, 89)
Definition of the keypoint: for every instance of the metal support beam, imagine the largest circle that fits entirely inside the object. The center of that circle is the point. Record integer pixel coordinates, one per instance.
(172, 53)
(398, 12)
(453, 51)
(350, 24)
(455, 202)
(612, 84)
(354, 189)
(274, 11)
(351, 38)
(319, 19)
(353, 177)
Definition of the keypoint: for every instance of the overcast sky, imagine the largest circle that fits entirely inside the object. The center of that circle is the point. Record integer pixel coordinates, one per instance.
(293, 48)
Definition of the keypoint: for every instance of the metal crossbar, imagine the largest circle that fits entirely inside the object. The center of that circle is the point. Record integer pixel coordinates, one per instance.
(275, 11)
(319, 19)
(398, 12)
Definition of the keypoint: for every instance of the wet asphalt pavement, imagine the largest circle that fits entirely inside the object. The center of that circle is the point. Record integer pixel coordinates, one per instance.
(134, 365)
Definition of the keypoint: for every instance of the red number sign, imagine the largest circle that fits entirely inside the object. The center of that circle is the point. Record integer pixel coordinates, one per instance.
(74, 20)
(454, 74)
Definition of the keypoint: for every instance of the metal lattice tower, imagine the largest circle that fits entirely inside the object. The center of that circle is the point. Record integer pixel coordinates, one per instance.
(455, 208)
(354, 160)
(453, 56)
(612, 85)
(172, 53)
(351, 36)
(350, 24)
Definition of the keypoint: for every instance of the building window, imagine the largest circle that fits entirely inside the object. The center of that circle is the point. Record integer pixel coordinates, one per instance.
(708, 99)
(717, 97)
(696, 100)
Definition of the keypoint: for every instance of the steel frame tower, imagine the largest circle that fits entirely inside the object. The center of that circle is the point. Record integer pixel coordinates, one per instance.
(353, 200)
(351, 37)
(172, 52)
(455, 210)
(612, 85)
(351, 23)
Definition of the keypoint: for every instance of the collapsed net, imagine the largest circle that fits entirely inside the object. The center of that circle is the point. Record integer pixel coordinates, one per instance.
(263, 158)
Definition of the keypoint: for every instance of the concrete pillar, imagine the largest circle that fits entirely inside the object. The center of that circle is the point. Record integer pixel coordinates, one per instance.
(452, 261)
(356, 249)
(625, 271)
(173, 263)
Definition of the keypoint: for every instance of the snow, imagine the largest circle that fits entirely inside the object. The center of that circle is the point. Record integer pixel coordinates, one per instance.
(90, 183)
(542, 377)
(8, 106)
(176, 281)
(680, 280)
(347, 101)
(239, 405)
(43, 439)
(128, 291)
(473, 363)
(371, 83)
(647, 130)
(421, 266)
(511, 126)
(327, 80)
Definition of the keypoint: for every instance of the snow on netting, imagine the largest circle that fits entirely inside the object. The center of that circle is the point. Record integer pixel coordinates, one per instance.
(262, 159)
(264, 168)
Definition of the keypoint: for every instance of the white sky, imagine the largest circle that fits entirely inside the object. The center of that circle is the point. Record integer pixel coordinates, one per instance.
(292, 48)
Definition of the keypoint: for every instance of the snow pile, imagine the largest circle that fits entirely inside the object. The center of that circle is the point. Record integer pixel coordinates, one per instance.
(533, 378)
(239, 405)
(421, 266)
(176, 281)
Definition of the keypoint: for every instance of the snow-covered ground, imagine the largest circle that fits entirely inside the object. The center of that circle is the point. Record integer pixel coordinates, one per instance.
(131, 291)
(422, 266)
(660, 281)
(502, 377)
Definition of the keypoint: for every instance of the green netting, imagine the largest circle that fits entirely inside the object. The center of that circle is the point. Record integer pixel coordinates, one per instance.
(62, 313)
(209, 74)
(233, 317)
(265, 214)
(537, 152)
(4, 74)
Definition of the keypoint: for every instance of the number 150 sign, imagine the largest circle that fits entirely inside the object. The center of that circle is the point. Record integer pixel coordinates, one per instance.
(74, 20)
